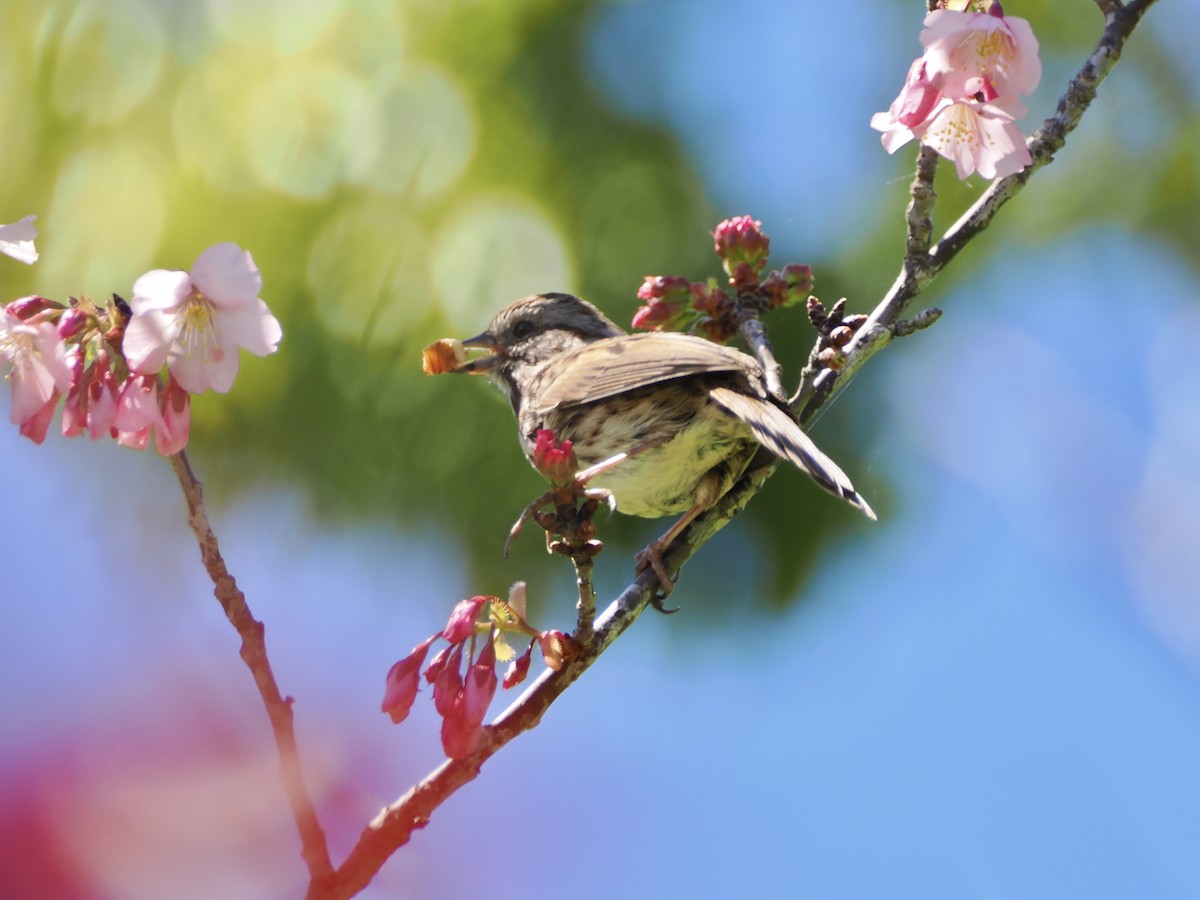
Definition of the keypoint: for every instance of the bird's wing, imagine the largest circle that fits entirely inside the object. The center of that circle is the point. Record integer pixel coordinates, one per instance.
(615, 365)
(779, 433)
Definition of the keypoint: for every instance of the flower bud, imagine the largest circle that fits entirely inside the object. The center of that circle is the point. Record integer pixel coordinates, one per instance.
(741, 240)
(462, 619)
(402, 682)
(28, 307)
(554, 459)
(71, 323)
(519, 668)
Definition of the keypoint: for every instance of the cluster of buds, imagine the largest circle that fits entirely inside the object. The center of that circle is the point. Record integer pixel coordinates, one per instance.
(672, 303)
(574, 506)
(106, 361)
(961, 97)
(463, 673)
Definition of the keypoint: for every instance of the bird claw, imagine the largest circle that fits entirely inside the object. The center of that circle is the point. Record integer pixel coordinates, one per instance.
(651, 557)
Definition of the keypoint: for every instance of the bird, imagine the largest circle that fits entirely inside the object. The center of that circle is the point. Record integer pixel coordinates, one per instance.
(677, 417)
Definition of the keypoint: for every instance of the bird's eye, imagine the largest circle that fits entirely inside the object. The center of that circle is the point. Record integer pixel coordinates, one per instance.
(523, 329)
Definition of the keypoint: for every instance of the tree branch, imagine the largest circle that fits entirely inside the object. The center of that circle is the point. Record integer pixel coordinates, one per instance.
(254, 653)
(394, 825)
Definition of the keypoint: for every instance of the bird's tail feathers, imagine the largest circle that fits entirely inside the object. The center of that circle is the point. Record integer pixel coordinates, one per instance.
(780, 433)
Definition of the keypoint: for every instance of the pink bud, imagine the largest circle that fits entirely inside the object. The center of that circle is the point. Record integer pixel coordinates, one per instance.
(480, 686)
(657, 315)
(102, 400)
(175, 419)
(27, 307)
(462, 619)
(460, 738)
(448, 682)
(664, 287)
(555, 460)
(402, 682)
(741, 240)
(71, 323)
(518, 668)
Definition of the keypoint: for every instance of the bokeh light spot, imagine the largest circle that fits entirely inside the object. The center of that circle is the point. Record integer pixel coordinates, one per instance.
(428, 132)
(369, 275)
(108, 60)
(310, 127)
(286, 27)
(104, 222)
(493, 251)
(208, 120)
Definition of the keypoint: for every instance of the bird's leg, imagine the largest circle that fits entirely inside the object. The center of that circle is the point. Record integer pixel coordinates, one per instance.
(708, 491)
(578, 488)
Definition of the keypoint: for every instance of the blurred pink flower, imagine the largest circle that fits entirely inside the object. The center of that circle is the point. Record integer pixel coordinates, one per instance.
(194, 323)
(39, 367)
(402, 682)
(174, 418)
(16, 240)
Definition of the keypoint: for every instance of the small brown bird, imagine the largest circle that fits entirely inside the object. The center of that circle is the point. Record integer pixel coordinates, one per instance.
(688, 413)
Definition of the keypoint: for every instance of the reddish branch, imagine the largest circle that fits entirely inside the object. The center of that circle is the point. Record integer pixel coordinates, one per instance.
(254, 653)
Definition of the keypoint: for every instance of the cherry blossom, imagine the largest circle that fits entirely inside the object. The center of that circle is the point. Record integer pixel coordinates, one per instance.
(961, 98)
(981, 53)
(38, 366)
(978, 138)
(195, 322)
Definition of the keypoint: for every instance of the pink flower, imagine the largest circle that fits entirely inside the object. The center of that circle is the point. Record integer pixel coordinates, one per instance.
(911, 109)
(402, 683)
(555, 460)
(961, 97)
(16, 240)
(988, 54)
(194, 323)
(39, 367)
(978, 138)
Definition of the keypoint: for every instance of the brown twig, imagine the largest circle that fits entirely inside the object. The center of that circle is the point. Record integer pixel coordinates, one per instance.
(313, 847)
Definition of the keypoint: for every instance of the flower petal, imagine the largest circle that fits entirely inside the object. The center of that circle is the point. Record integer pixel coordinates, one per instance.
(226, 275)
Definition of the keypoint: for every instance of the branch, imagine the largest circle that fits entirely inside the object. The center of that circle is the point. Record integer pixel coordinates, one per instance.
(918, 271)
(254, 653)
(395, 824)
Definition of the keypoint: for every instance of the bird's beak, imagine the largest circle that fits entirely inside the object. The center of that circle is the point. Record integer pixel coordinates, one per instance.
(483, 364)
